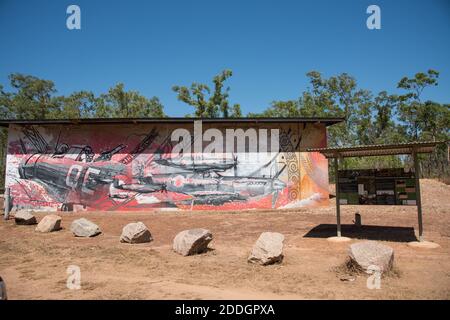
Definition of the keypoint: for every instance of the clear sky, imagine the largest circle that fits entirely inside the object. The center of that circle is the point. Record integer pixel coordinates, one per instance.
(270, 45)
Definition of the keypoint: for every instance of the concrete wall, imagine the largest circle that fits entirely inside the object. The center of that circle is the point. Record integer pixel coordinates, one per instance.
(166, 166)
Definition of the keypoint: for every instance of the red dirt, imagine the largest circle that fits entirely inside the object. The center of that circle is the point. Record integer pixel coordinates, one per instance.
(34, 265)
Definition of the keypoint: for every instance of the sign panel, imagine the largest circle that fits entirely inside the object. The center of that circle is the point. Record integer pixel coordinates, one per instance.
(394, 186)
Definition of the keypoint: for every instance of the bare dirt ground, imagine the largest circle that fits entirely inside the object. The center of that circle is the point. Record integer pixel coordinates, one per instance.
(34, 265)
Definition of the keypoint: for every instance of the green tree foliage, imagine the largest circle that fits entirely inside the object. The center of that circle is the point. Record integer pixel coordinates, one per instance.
(78, 105)
(34, 98)
(122, 104)
(425, 120)
(209, 104)
(411, 109)
(374, 119)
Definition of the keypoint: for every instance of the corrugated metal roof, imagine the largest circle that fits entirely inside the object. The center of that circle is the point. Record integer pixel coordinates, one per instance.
(377, 150)
(92, 121)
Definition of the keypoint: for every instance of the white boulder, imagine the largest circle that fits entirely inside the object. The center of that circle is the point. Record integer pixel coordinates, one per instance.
(135, 233)
(268, 249)
(193, 241)
(371, 253)
(49, 223)
(84, 228)
(24, 217)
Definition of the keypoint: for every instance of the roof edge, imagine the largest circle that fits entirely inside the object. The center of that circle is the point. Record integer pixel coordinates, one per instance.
(378, 149)
(326, 121)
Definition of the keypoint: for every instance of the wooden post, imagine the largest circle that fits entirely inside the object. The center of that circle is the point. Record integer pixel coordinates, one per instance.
(358, 220)
(338, 205)
(419, 200)
(6, 203)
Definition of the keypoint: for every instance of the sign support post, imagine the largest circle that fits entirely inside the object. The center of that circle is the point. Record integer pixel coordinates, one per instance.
(338, 204)
(419, 200)
(7, 203)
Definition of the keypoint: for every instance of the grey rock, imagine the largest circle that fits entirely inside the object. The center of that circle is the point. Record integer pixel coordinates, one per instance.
(24, 217)
(193, 241)
(49, 223)
(268, 249)
(135, 233)
(84, 228)
(370, 253)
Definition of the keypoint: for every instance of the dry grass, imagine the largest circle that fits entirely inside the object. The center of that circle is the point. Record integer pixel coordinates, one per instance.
(351, 269)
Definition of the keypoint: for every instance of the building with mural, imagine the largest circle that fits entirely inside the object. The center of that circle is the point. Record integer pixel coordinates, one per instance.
(167, 164)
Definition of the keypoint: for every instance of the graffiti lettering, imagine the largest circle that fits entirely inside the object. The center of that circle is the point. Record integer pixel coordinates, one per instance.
(73, 175)
(86, 178)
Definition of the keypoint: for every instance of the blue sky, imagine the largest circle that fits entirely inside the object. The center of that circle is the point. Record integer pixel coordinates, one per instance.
(270, 45)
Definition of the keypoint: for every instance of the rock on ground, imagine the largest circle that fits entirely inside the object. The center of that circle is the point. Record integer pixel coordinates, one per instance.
(13, 208)
(49, 223)
(370, 253)
(268, 249)
(135, 233)
(24, 217)
(194, 241)
(84, 228)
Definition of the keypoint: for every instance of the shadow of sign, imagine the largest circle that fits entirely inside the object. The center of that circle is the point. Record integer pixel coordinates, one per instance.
(382, 233)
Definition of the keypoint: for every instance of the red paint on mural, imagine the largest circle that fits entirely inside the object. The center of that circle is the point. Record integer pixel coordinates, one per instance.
(133, 168)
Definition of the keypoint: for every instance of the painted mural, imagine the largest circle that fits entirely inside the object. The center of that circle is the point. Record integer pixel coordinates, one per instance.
(166, 167)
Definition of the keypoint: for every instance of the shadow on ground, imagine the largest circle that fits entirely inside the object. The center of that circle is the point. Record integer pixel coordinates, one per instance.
(382, 233)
